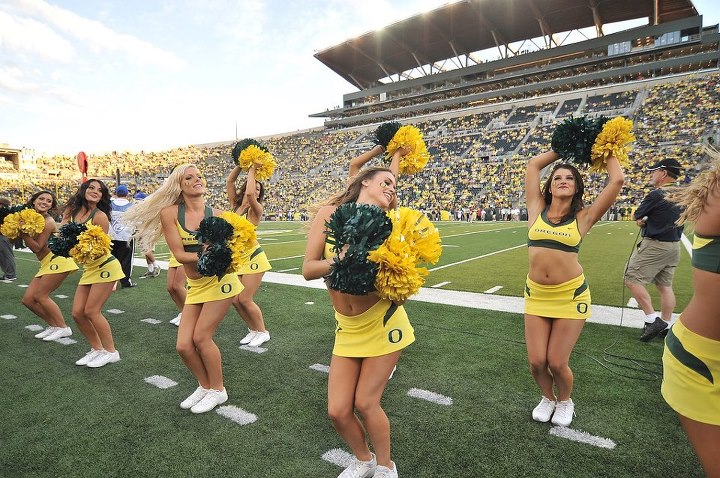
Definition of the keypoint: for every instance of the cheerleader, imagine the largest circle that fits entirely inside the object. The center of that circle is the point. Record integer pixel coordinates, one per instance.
(91, 205)
(247, 202)
(176, 210)
(365, 353)
(53, 271)
(557, 297)
(691, 358)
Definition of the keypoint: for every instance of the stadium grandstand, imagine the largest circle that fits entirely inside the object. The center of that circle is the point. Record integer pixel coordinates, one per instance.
(486, 82)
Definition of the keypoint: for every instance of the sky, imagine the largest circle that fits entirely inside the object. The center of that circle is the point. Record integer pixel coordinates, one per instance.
(131, 75)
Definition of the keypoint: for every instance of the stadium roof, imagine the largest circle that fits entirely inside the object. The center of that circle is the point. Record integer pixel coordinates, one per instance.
(469, 26)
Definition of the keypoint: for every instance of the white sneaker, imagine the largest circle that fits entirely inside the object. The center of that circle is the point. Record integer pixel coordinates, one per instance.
(385, 472)
(59, 333)
(45, 333)
(251, 335)
(564, 412)
(544, 410)
(104, 358)
(194, 398)
(360, 469)
(156, 271)
(259, 339)
(176, 320)
(212, 399)
(88, 357)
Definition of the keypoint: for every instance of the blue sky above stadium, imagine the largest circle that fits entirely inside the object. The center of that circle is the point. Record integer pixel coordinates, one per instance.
(130, 74)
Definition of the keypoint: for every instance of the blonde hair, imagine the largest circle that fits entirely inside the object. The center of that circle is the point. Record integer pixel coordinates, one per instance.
(145, 216)
(693, 197)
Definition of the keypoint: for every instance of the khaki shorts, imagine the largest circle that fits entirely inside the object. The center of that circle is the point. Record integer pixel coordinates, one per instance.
(653, 261)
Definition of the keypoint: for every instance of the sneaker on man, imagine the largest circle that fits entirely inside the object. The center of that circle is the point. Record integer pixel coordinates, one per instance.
(259, 339)
(60, 332)
(45, 333)
(360, 469)
(147, 274)
(89, 356)
(176, 320)
(156, 271)
(564, 412)
(544, 410)
(104, 358)
(9, 279)
(653, 330)
(194, 398)
(212, 399)
(250, 335)
(385, 472)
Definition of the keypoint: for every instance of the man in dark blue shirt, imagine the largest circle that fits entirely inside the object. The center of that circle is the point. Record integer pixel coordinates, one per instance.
(658, 253)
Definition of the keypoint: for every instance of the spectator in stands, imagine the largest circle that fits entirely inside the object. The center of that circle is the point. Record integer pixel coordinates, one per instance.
(123, 244)
(691, 358)
(179, 207)
(658, 252)
(91, 205)
(557, 298)
(7, 256)
(362, 359)
(53, 271)
(247, 201)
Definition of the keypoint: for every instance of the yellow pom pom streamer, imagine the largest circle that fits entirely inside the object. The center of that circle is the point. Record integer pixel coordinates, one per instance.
(263, 161)
(92, 244)
(613, 140)
(413, 240)
(243, 238)
(409, 137)
(26, 221)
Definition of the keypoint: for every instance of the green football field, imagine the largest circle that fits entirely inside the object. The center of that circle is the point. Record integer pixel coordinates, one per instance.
(459, 404)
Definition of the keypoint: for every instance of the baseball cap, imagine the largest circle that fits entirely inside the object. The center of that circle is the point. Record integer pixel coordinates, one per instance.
(121, 190)
(670, 165)
(140, 195)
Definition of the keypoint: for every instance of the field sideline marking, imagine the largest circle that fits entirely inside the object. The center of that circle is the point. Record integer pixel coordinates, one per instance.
(477, 257)
(441, 284)
(288, 257)
(338, 457)
(429, 396)
(582, 437)
(492, 290)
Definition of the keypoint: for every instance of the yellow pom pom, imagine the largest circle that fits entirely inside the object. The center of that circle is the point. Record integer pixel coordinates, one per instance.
(613, 140)
(243, 238)
(11, 226)
(413, 240)
(93, 243)
(31, 222)
(263, 161)
(409, 137)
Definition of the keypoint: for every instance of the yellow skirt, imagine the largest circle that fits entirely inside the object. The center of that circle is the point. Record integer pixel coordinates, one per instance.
(255, 262)
(52, 264)
(691, 375)
(172, 262)
(382, 329)
(569, 300)
(103, 270)
(209, 289)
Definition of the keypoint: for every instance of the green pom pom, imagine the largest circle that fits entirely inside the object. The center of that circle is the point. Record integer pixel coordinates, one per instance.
(241, 145)
(214, 260)
(385, 132)
(214, 229)
(572, 139)
(363, 228)
(66, 239)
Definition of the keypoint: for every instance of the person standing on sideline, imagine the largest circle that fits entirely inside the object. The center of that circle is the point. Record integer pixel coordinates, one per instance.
(123, 244)
(7, 257)
(658, 252)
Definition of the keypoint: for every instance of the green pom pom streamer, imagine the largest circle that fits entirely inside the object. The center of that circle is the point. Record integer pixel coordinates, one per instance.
(573, 139)
(362, 227)
(66, 239)
(217, 256)
(385, 132)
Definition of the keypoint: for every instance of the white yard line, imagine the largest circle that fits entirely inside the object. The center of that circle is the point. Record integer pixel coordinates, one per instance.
(475, 258)
(582, 437)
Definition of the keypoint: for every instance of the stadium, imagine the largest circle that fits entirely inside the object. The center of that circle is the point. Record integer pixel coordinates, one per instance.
(486, 82)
